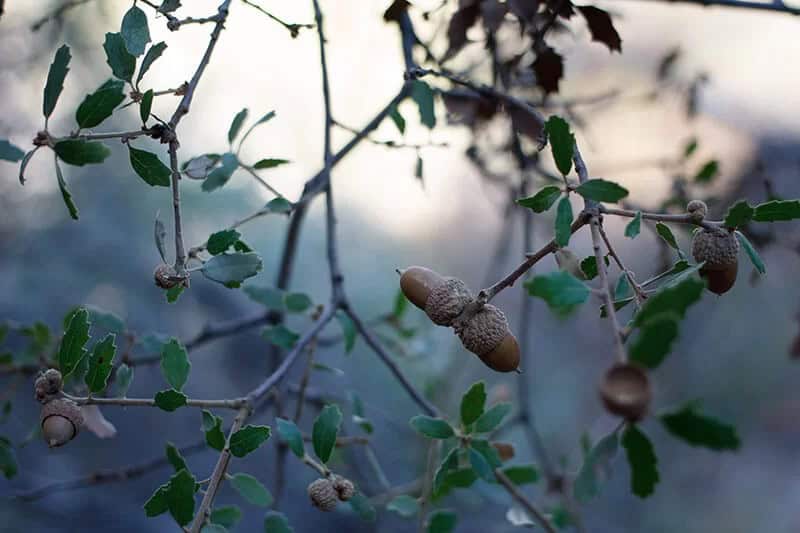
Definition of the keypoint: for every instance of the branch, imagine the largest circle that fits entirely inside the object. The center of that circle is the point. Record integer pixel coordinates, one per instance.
(294, 29)
(637, 289)
(125, 136)
(235, 403)
(773, 5)
(512, 489)
(662, 217)
(180, 252)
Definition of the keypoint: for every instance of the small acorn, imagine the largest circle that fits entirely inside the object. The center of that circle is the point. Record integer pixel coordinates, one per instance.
(441, 298)
(719, 249)
(165, 276)
(323, 495)
(47, 385)
(344, 488)
(61, 420)
(697, 210)
(505, 450)
(487, 335)
(625, 391)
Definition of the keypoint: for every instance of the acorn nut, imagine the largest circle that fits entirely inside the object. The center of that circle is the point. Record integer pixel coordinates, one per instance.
(61, 419)
(697, 210)
(487, 335)
(47, 384)
(625, 391)
(323, 495)
(719, 249)
(344, 488)
(441, 298)
(165, 276)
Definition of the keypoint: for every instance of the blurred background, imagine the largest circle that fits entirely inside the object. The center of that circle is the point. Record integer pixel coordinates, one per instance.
(732, 87)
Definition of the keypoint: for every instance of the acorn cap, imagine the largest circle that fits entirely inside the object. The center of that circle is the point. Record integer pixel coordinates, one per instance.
(323, 495)
(487, 335)
(718, 248)
(697, 209)
(344, 488)
(417, 282)
(165, 276)
(47, 384)
(625, 391)
(447, 300)
(60, 419)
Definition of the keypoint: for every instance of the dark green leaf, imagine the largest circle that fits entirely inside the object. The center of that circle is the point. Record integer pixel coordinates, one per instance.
(480, 465)
(739, 214)
(278, 205)
(675, 299)
(634, 226)
(123, 379)
(24, 164)
(297, 302)
(472, 403)
(751, 253)
(460, 478)
(149, 167)
(9, 152)
(562, 143)
(522, 474)
(251, 490)
(665, 233)
(227, 268)
(175, 458)
(777, 210)
(222, 240)
(65, 194)
(707, 173)
(266, 296)
(168, 6)
(488, 451)
(291, 434)
(363, 507)
(81, 153)
(170, 399)
(404, 505)
(121, 61)
(236, 124)
(400, 305)
(589, 267)
(700, 430)
(642, 460)
(100, 363)
(561, 290)
(542, 200)
(212, 427)
(492, 418)
(655, 340)
(226, 516)
(602, 191)
(270, 163)
(275, 522)
(442, 521)
(266, 118)
(220, 175)
(348, 330)
(398, 119)
(146, 105)
(72, 349)
(55, 80)
(135, 31)
(448, 464)
(180, 497)
(623, 288)
(8, 459)
(157, 503)
(418, 167)
(423, 95)
(248, 439)
(99, 105)
(596, 468)
(323, 434)
(174, 293)
(690, 147)
(435, 428)
(281, 336)
(150, 57)
(175, 364)
(563, 222)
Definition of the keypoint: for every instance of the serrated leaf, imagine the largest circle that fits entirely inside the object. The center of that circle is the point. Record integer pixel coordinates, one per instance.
(435, 428)
(170, 399)
(777, 210)
(472, 403)
(220, 241)
(99, 105)
(642, 460)
(601, 27)
(349, 331)
(146, 105)
(275, 522)
(325, 430)
(562, 143)
(738, 214)
(81, 153)
(634, 226)
(270, 163)
(226, 516)
(157, 503)
(149, 167)
(236, 124)
(123, 379)
(65, 194)
(398, 119)
(542, 200)
(9, 152)
(665, 233)
(8, 459)
(175, 364)
(602, 191)
(55, 79)
(442, 521)
(175, 458)
(561, 290)
(236, 267)
(291, 434)
(404, 505)
(251, 490)
(153, 53)
(423, 95)
(212, 427)
(219, 176)
(751, 253)
(72, 350)
(700, 430)
(522, 474)
(707, 172)
(655, 340)
(563, 222)
(281, 336)
(180, 497)
(100, 363)
(248, 439)
(135, 31)
(492, 418)
(596, 468)
(121, 61)
(675, 299)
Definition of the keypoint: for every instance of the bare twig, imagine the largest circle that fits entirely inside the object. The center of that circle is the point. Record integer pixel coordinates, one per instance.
(234, 403)
(774, 5)
(294, 29)
(661, 217)
(637, 289)
(512, 489)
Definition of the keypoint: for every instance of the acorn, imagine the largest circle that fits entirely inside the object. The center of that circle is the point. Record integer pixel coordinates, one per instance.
(47, 385)
(625, 391)
(165, 276)
(323, 495)
(488, 336)
(505, 450)
(697, 210)
(719, 249)
(344, 488)
(61, 419)
(441, 298)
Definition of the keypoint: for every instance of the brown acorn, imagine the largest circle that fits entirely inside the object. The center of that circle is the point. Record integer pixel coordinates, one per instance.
(165, 276)
(344, 488)
(323, 495)
(487, 335)
(47, 385)
(719, 249)
(505, 450)
(441, 298)
(625, 391)
(61, 420)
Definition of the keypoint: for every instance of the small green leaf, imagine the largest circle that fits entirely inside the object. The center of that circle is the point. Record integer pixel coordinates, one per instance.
(99, 105)
(291, 434)
(175, 458)
(400, 305)
(24, 164)
(251, 490)
(423, 95)
(522, 474)
(149, 167)
(269, 297)
(542, 200)
(55, 80)
(123, 379)
(226, 516)
(363, 507)
(751, 253)
(222, 240)
(562, 143)
(9, 152)
(690, 147)
(398, 119)
(180, 497)
(707, 172)
(175, 364)
(655, 340)
(480, 465)
(270, 163)
(236, 267)
(65, 194)
(81, 153)
(589, 267)
(157, 503)
(642, 460)
(236, 124)
(492, 418)
(153, 53)
(212, 427)
(448, 464)
(675, 299)
(349, 330)
(8, 459)
(146, 105)
(100, 363)
(297, 302)
(596, 468)
(135, 32)
(281, 336)
(561, 290)
(323, 434)
(472, 403)
(777, 210)
(563, 222)
(72, 349)
(488, 452)
(665, 233)
(170, 399)
(738, 215)
(275, 522)
(121, 61)
(174, 293)
(602, 191)
(278, 205)
(442, 521)
(248, 439)
(404, 505)
(700, 430)
(418, 167)
(435, 428)
(218, 177)
(634, 226)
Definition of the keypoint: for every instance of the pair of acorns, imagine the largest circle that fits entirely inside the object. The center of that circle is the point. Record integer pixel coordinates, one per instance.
(326, 493)
(444, 299)
(61, 418)
(718, 248)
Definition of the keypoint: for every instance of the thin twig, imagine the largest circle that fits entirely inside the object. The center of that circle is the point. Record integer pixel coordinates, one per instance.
(512, 489)
(235, 403)
(662, 217)
(294, 29)
(427, 485)
(773, 5)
